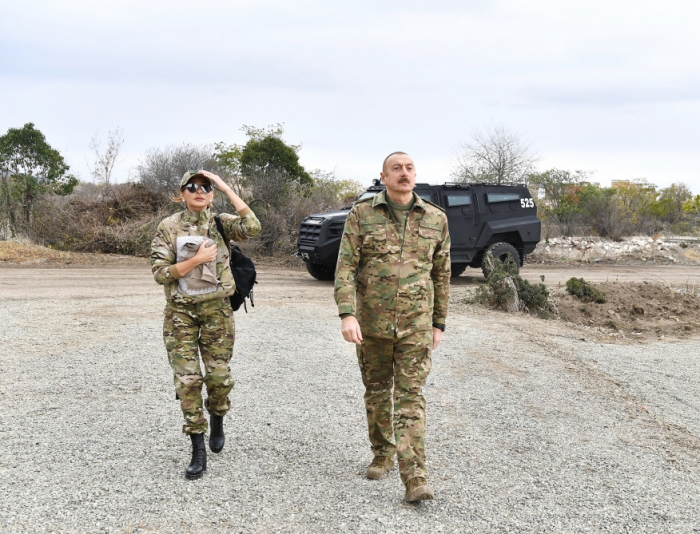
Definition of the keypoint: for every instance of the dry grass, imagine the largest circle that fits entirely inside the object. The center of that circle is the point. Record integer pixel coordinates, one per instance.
(14, 253)
(691, 255)
(18, 253)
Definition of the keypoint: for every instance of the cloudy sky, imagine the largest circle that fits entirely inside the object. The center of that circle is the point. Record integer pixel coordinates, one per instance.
(608, 86)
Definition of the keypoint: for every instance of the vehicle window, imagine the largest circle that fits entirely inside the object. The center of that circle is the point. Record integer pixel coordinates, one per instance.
(425, 196)
(458, 200)
(367, 194)
(502, 197)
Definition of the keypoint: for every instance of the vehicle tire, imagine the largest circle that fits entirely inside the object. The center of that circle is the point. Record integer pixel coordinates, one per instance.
(458, 268)
(320, 272)
(500, 251)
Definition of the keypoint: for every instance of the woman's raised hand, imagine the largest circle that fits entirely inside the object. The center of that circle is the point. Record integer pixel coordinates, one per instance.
(226, 190)
(216, 180)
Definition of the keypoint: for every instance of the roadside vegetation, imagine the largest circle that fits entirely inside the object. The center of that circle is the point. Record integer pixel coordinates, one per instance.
(43, 202)
(569, 202)
(585, 291)
(618, 311)
(505, 289)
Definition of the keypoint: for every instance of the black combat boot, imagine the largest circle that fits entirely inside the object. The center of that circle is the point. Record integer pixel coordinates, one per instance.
(216, 438)
(199, 458)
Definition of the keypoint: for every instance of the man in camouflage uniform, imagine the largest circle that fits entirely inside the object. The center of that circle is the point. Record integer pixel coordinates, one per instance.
(198, 317)
(392, 289)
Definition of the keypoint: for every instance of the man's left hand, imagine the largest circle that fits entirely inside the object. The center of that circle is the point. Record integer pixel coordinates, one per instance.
(437, 337)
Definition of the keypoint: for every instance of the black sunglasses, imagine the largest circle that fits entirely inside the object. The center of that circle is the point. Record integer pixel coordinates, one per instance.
(192, 188)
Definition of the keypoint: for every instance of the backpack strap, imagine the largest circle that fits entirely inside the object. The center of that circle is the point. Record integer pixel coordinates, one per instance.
(220, 228)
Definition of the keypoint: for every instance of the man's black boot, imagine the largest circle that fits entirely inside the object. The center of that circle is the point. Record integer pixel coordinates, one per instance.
(199, 458)
(216, 438)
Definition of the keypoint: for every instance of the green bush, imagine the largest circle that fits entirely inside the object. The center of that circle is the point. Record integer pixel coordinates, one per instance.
(578, 287)
(534, 297)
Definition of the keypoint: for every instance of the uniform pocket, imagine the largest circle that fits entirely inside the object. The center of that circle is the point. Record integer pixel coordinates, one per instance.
(373, 238)
(229, 321)
(429, 231)
(429, 236)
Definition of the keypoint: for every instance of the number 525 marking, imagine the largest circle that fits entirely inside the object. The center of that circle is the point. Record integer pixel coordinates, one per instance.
(527, 203)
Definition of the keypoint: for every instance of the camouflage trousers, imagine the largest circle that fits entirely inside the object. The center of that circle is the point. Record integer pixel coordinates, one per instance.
(401, 364)
(206, 328)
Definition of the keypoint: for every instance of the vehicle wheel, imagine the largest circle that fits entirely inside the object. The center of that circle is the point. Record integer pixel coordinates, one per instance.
(320, 272)
(500, 251)
(458, 268)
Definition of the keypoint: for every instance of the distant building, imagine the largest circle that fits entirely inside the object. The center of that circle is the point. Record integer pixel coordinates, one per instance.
(628, 184)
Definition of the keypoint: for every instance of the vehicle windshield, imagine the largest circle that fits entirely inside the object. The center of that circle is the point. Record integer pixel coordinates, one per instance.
(367, 194)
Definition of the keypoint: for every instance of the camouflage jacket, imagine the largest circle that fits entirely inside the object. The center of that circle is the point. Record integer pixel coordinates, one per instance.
(189, 223)
(400, 288)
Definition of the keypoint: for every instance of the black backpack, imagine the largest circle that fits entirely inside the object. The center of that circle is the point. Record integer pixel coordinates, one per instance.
(243, 270)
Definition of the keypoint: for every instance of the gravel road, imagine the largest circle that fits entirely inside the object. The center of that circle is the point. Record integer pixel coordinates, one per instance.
(530, 429)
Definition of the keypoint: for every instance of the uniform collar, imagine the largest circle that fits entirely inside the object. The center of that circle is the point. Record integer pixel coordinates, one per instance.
(196, 217)
(380, 198)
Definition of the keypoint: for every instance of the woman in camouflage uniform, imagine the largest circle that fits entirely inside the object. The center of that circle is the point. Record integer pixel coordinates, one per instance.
(191, 259)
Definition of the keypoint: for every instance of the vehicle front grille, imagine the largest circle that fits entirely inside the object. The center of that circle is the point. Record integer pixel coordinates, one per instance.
(309, 233)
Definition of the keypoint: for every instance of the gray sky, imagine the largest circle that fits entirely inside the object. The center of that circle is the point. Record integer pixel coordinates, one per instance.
(611, 86)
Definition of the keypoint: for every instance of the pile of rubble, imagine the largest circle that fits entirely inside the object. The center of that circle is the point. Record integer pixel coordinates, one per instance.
(636, 248)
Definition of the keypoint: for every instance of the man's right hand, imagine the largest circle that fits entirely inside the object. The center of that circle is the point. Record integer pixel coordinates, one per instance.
(351, 330)
(205, 254)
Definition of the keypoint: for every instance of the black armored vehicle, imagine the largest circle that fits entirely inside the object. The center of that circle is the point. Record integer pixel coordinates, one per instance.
(482, 217)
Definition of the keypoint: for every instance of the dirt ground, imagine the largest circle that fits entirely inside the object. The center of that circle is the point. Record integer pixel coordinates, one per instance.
(535, 425)
(642, 305)
(644, 302)
(638, 311)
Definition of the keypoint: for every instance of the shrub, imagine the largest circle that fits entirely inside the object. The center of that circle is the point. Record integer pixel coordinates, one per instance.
(281, 203)
(534, 296)
(498, 293)
(578, 287)
(120, 220)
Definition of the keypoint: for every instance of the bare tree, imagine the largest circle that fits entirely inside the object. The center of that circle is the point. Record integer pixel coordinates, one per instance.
(105, 161)
(495, 155)
(7, 219)
(161, 169)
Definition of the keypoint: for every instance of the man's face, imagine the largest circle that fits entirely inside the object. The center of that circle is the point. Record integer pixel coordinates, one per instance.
(399, 174)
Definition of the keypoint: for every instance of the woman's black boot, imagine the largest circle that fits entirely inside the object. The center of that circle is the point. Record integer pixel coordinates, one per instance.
(216, 438)
(199, 458)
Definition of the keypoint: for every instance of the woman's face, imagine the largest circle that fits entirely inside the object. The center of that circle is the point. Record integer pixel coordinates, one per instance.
(199, 200)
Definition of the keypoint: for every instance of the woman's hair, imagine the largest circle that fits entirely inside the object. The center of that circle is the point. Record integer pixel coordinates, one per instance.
(179, 197)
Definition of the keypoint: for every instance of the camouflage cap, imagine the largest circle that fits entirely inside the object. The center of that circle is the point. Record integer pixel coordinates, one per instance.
(191, 174)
